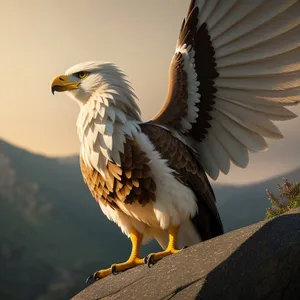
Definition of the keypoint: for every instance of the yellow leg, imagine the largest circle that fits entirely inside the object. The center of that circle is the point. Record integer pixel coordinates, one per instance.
(171, 248)
(133, 260)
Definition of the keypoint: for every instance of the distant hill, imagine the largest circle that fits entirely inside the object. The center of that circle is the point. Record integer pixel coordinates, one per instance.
(53, 235)
(243, 205)
(52, 232)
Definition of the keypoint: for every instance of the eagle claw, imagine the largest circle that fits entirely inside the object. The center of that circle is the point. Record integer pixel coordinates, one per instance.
(150, 260)
(114, 270)
(91, 279)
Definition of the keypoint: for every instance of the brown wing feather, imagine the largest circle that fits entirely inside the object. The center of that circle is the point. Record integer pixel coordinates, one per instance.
(175, 107)
(129, 183)
(188, 171)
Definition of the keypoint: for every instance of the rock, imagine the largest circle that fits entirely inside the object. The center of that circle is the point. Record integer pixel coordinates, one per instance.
(258, 262)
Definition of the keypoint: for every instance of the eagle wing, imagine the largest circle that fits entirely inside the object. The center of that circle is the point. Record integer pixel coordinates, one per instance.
(235, 68)
(189, 172)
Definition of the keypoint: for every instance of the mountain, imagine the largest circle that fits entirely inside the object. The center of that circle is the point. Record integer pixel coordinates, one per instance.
(240, 206)
(53, 235)
(52, 232)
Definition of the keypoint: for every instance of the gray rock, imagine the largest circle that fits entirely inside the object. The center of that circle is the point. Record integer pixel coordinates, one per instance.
(261, 261)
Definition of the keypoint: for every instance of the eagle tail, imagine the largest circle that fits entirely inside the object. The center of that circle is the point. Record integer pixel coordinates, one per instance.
(206, 225)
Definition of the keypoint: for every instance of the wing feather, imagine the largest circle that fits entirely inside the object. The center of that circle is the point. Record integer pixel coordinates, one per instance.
(208, 161)
(219, 153)
(236, 150)
(188, 171)
(269, 20)
(287, 63)
(236, 67)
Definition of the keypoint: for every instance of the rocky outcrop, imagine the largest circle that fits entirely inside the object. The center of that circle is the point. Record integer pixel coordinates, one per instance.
(258, 262)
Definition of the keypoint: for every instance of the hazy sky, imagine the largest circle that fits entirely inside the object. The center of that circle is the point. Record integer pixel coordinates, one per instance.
(41, 39)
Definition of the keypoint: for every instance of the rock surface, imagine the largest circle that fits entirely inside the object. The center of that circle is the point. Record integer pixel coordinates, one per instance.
(258, 262)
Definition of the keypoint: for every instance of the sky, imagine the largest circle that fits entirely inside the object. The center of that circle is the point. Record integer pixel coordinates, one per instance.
(41, 39)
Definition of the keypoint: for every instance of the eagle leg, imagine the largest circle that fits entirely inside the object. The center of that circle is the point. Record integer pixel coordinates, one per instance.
(152, 258)
(133, 260)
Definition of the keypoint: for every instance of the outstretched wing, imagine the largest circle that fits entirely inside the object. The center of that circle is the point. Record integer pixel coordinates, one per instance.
(236, 65)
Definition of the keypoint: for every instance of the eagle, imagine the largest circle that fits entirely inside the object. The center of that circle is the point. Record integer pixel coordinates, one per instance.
(236, 66)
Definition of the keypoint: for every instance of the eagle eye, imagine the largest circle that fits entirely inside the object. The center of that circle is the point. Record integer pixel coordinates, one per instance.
(82, 74)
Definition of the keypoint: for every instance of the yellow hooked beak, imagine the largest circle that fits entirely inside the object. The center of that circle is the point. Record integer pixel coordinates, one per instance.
(63, 83)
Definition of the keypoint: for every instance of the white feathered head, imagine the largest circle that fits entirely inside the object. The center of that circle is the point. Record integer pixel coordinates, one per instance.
(83, 80)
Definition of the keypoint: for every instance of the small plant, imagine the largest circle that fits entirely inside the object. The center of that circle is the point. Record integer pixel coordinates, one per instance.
(289, 198)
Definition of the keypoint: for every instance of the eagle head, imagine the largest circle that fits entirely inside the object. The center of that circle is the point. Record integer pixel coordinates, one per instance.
(82, 80)
(98, 81)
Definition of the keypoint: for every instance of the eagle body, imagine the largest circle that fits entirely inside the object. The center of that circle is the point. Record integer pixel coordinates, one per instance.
(148, 189)
(235, 68)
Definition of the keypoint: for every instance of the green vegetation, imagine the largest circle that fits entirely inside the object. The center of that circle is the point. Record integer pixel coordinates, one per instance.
(289, 198)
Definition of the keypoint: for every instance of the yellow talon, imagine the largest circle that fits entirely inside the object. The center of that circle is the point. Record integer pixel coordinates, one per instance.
(130, 263)
(171, 248)
(133, 260)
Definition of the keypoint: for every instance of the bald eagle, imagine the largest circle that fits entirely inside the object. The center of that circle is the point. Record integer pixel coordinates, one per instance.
(235, 68)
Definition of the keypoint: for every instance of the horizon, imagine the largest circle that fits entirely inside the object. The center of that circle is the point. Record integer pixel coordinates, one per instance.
(64, 160)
